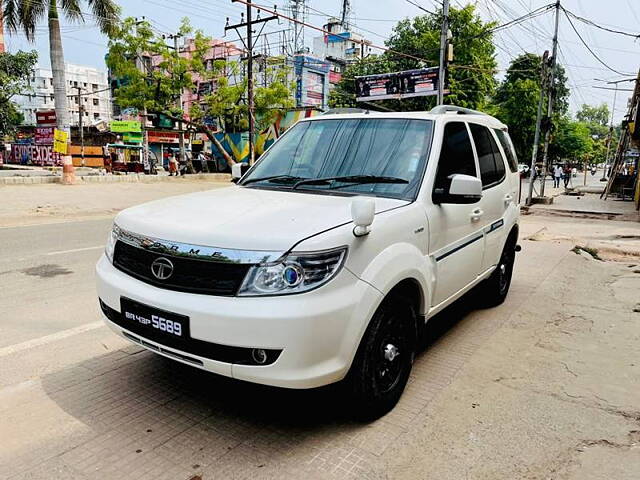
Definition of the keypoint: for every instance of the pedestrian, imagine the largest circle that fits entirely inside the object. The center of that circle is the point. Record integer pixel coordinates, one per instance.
(173, 164)
(567, 173)
(557, 175)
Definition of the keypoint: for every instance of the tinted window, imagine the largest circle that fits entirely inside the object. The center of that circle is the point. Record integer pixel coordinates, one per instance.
(489, 159)
(456, 155)
(343, 147)
(505, 141)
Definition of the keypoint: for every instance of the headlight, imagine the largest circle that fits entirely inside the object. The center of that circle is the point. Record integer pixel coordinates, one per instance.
(294, 273)
(111, 242)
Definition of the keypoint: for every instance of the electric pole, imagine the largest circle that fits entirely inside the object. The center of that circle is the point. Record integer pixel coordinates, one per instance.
(248, 45)
(180, 126)
(80, 126)
(551, 95)
(536, 137)
(443, 50)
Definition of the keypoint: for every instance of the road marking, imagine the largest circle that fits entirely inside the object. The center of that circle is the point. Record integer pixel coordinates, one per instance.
(74, 250)
(54, 337)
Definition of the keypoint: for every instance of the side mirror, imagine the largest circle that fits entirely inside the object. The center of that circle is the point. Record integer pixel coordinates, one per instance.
(461, 189)
(363, 211)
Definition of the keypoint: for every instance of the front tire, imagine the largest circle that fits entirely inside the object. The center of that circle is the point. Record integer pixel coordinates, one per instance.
(383, 362)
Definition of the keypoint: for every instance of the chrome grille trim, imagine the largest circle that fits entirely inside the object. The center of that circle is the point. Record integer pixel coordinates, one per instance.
(196, 252)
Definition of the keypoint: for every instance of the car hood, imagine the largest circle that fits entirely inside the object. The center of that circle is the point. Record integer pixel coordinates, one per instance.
(242, 218)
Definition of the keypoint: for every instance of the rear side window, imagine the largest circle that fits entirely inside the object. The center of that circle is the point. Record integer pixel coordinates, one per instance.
(491, 164)
(456, 155)
(507, 146)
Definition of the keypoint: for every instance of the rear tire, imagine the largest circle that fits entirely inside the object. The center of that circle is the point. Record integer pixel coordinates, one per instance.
(383, 362)
(493, 291)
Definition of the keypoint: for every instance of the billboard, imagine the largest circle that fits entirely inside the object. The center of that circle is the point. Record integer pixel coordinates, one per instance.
(409, 83)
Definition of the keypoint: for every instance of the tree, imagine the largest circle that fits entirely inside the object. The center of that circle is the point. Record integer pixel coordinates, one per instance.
(571, 141)
(25, 15)
(595, 115)
(516, 100)
(158, 87)
(15, 71)
(471, 75)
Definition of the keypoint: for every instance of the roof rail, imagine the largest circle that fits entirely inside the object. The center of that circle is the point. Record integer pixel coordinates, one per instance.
(452, 108)
(337, 111)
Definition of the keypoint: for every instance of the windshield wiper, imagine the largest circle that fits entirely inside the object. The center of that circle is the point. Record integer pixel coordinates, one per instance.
(271, 178)
(356, 179)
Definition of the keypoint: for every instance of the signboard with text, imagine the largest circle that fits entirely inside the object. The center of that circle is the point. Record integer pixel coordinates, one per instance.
(125, 126)
(46, 118)
(60, 141)
(44, 136)
(406, 84)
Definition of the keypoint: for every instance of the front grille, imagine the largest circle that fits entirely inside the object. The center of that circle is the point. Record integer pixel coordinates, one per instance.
(189, 275)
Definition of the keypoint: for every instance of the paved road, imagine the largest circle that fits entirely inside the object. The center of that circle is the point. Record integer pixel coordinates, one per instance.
(47, 278)
(500, 393)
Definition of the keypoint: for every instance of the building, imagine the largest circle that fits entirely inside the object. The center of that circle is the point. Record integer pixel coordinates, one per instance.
(95, 101)
(340, 45)
(219, 50)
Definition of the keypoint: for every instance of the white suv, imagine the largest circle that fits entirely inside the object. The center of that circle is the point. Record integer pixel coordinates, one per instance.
(327, 258)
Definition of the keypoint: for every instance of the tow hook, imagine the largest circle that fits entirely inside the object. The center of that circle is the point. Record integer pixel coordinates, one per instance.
(518, 248)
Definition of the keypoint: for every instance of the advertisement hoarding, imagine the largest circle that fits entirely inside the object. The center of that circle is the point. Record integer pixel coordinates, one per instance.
(409, 83)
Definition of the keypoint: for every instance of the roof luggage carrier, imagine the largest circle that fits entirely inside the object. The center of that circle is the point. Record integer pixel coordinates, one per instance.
(440, 109)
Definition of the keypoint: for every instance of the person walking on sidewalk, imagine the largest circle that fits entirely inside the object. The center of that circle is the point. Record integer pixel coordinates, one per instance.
(567, 173)
(557, 175)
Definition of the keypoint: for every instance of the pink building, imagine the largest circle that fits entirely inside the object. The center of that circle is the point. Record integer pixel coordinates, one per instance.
(220, 50)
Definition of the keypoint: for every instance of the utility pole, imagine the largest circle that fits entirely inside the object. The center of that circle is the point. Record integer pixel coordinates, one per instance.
(551, 95)
(80, 126)
(145, 135)
(183, 158)
(443, 50)
(248, 45)
(536, 137)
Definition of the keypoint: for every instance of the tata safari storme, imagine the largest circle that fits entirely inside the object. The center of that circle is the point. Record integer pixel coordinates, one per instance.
(326, 259)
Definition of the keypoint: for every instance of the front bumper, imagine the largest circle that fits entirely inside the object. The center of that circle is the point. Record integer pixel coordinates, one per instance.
(316, 333)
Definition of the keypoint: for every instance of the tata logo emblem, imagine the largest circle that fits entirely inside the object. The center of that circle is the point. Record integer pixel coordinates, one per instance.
(162, 268)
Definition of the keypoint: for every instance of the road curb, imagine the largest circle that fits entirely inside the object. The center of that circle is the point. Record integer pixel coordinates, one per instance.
(131, 178)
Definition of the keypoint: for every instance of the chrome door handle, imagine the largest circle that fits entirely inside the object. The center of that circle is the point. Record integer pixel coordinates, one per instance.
(476, 214)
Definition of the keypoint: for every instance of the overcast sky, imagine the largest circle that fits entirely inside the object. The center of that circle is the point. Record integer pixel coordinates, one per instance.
(84, 44)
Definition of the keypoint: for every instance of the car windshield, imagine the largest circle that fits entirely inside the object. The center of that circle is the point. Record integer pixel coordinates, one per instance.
(364, 156)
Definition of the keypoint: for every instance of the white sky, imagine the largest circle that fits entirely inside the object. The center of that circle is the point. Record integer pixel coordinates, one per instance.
(86, 46)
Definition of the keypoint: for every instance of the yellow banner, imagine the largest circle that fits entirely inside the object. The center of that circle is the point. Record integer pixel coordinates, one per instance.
(60, 141)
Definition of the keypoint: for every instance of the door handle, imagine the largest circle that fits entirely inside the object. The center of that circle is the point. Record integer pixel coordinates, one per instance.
(508, 198)
(476, 214)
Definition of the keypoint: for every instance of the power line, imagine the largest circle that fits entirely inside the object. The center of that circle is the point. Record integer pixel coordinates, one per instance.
(594, 24)
(588, 47)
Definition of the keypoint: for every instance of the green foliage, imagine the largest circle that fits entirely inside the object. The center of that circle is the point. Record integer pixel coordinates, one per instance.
(158, 89)
(25, 15)
(594, 115)
(516, 101)
(571, 141)
(15, 71)
(471, 79)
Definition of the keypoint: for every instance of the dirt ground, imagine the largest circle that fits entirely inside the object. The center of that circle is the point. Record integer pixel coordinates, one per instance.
(35, 204)
(546, 386)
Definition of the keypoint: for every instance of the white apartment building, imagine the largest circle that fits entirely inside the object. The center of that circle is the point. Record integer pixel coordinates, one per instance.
(94, 88)
(340, 46)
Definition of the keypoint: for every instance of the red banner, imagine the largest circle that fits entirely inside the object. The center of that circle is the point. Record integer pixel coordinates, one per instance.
(44, 136)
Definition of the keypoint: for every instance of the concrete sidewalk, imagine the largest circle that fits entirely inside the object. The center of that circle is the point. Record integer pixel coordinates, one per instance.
(589, 204)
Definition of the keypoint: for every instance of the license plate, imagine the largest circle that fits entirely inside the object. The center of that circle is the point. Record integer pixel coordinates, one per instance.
(153, 319)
